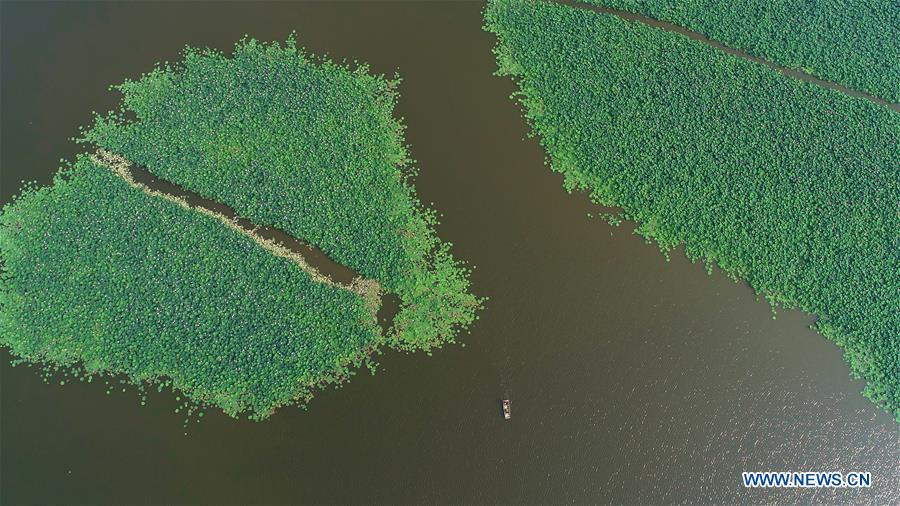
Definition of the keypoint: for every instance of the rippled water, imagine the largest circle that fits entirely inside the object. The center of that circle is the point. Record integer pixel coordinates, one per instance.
(632, 379)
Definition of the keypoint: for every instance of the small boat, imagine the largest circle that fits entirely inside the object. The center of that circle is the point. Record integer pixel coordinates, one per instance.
(506, 413)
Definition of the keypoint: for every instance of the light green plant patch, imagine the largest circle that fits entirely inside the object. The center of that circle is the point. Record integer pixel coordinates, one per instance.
(104, 277)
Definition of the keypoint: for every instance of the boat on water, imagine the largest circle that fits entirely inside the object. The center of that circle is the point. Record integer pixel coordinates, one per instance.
(506, 410)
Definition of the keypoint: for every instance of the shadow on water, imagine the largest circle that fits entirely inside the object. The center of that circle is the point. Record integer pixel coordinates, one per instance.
(787, 71)
(390, 306)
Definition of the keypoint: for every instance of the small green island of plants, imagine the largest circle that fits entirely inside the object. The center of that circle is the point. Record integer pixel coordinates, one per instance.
(102, 275)
(789, 186)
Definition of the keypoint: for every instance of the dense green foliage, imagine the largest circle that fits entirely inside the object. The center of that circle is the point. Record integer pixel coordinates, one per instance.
(787, 185)
(305, 145)
(856, 43)
(102, 276)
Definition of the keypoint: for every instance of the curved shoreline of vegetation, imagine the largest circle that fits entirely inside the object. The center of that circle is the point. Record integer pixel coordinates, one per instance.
(784, 184)
(856, 44)
(100, 274)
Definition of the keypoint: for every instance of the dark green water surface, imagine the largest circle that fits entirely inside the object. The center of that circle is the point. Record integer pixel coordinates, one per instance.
(632, 379)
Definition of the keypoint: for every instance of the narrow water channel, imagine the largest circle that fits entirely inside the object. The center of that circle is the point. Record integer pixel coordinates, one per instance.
(312, 256)
(787, 71)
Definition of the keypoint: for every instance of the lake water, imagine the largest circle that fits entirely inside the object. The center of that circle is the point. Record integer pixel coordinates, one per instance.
(632, 379)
